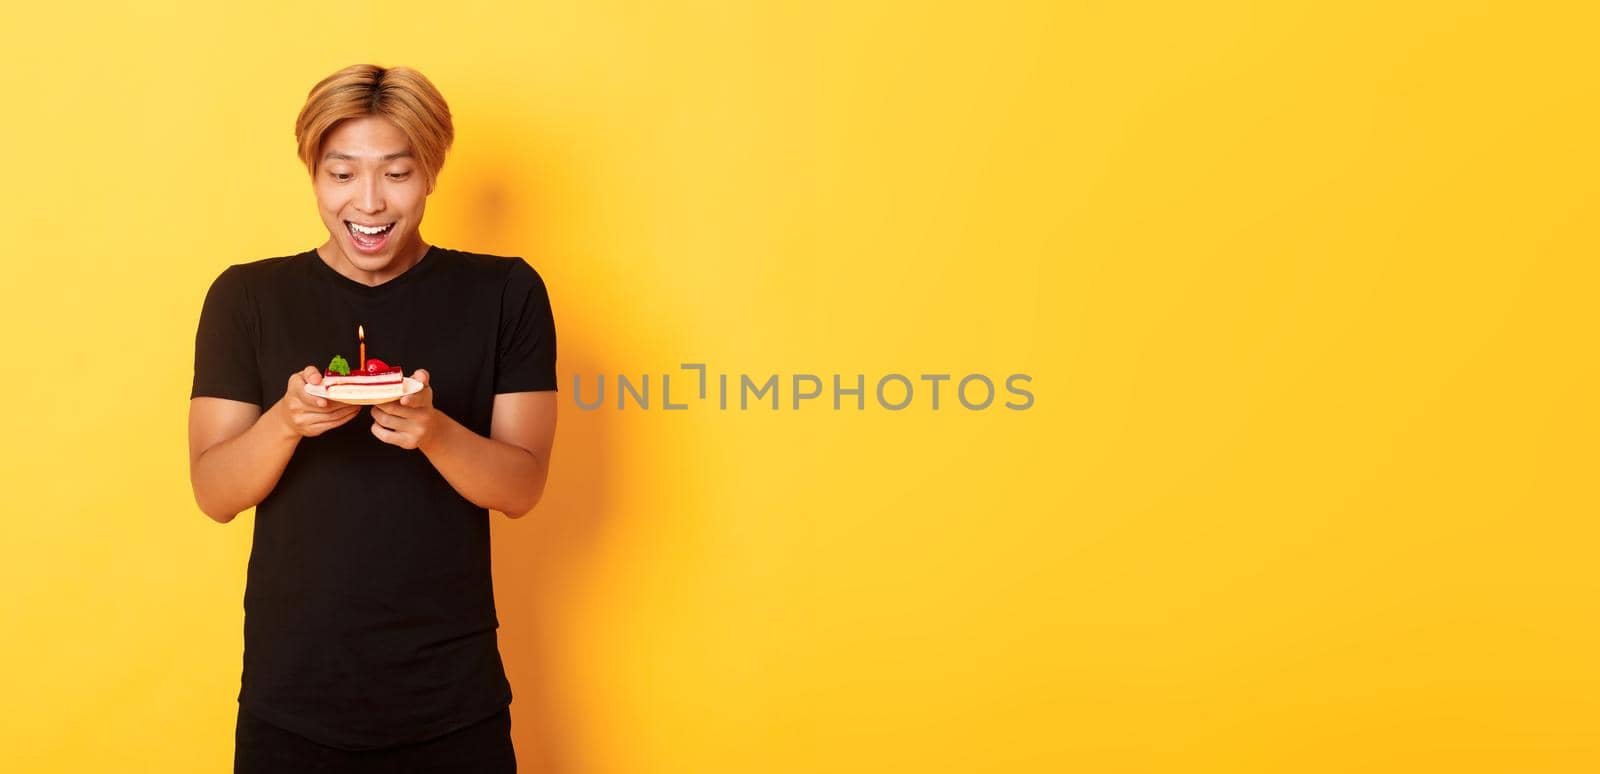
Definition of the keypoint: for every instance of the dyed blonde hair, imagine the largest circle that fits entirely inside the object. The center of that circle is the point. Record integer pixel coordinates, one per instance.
(399, 94)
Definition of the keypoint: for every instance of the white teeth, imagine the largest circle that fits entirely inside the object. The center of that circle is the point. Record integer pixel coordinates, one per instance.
(369, 231)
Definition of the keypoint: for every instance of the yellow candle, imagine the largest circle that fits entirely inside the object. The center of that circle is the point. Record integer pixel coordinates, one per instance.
(361, 333)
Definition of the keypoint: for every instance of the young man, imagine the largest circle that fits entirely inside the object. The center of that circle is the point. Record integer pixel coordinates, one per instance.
(369, 637)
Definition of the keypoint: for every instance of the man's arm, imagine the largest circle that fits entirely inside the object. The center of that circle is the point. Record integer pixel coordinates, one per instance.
(507, 471)
(235, 458)
(237, 453)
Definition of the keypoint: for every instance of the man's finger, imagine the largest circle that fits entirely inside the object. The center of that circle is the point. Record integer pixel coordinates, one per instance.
(327, 424)
(386, 419)
(388, 436)
(321, 406)
(396, 408)
(312, 400)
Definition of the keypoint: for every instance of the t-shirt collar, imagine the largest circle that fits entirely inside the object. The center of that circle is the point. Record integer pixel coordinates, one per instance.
(422, 266)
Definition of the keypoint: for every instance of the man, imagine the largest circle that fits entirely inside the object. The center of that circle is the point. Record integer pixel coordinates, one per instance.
(369, 608)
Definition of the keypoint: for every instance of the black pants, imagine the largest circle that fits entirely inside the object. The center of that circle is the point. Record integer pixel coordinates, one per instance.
(481, 748)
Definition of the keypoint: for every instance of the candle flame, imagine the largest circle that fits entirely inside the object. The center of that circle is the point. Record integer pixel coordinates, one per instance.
(361, 332)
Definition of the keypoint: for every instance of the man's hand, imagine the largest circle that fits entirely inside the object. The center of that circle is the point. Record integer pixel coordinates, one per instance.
(410, 422)
(306, 415)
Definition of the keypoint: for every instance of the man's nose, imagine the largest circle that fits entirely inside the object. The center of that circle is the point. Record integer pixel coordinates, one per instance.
(371, 197)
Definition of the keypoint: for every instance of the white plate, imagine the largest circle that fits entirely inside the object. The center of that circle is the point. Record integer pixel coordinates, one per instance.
(411, 385)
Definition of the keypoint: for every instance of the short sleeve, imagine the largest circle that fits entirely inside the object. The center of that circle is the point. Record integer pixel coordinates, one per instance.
(525, 359)
(225, 343)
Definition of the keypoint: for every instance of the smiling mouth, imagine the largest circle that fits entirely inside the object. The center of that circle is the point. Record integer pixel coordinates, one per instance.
(357, 229)
(369, 239)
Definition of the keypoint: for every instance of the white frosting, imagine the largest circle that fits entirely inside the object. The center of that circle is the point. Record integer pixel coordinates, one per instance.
(365, 385)
(366, 390)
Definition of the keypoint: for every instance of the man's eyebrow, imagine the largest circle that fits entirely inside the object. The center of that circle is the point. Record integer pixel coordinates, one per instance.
(405, 154)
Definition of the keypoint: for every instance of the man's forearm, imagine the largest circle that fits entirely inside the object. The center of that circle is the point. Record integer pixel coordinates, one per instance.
(240, 472)
(489, 473)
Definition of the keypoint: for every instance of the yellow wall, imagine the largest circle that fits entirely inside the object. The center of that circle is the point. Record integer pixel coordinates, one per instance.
(1306, 290)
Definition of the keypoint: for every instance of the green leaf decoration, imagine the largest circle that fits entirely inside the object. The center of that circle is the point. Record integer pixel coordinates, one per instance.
(339, 366)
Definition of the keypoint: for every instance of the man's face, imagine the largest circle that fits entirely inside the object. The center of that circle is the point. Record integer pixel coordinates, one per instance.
(367, 179)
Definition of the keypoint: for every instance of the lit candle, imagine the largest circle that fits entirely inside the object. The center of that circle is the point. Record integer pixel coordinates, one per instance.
(361, 333)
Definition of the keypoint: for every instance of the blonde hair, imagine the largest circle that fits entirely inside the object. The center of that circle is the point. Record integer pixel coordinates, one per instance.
(399, 94)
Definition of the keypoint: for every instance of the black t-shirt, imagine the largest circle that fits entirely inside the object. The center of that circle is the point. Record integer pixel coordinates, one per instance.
(369, 605)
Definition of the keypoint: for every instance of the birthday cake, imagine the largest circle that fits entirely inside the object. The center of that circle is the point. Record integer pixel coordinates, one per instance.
(374, 379)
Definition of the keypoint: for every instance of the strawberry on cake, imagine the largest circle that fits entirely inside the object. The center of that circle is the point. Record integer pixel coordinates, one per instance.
(376, 380)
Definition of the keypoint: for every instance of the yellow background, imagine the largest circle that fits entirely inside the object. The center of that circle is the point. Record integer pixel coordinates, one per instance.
(1307, 293)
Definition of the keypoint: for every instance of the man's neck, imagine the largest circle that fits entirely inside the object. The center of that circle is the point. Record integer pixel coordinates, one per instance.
(405, 258)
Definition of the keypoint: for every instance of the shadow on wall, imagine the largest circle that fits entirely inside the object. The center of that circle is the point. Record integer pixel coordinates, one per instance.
(540, 561)
(542, 558)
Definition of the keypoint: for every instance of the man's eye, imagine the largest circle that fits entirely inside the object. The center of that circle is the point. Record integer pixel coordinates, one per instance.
(341, 176)
(399, 175)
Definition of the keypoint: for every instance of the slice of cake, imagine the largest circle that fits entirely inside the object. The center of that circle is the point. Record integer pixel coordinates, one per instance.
(377, 380)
